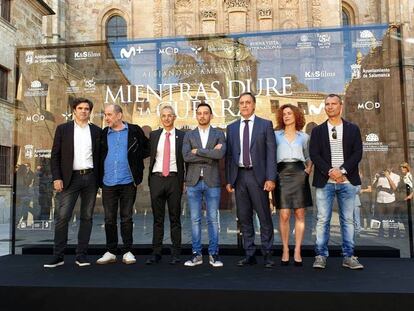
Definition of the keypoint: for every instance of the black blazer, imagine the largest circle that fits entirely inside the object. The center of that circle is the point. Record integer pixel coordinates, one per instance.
(138, 150)
(62, 152)
(154, 139)
(320, 153)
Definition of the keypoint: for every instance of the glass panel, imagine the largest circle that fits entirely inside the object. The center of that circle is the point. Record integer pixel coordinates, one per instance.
(299, 67)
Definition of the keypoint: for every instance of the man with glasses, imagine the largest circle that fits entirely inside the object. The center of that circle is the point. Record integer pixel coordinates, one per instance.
(336, 150)
(166, 181)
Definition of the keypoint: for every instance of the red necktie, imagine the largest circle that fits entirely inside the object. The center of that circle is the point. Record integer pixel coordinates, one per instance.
(166, 156)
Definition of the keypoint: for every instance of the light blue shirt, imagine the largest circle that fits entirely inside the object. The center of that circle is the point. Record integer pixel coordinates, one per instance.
(117, 171)
(297, 150)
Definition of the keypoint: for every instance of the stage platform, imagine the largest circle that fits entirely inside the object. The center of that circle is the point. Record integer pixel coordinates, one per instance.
(228, 250)
(385, 284)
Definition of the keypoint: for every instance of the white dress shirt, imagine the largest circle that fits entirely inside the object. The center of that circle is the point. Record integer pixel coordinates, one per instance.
(160, 153)
(242, 126)
(204, 139)
(82, 147)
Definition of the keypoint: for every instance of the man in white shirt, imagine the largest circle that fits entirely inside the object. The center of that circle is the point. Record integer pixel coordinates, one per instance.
(335, 149)
(166, 180)
(386, 184)
(203, 147)
(75, 171)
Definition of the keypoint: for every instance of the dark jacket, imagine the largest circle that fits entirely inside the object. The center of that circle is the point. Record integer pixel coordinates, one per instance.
(62, 152)
(206, 159)
(262, 151)
(320, 153)
(154, 139)
(138, 150)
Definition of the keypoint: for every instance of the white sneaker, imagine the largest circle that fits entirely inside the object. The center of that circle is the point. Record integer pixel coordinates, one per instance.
(194, 261)
(128, 258)
(106, 258)
(215, 261)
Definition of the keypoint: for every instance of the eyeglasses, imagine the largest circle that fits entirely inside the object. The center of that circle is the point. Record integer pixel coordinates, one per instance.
(334, 134)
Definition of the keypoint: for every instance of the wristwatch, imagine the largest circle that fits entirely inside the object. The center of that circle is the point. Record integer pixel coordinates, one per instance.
(343, 171)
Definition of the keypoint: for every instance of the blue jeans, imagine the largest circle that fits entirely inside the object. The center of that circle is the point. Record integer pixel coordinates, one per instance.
(195, 197)
(345, 195)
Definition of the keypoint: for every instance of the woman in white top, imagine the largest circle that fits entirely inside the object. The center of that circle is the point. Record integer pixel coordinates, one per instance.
(294, 166)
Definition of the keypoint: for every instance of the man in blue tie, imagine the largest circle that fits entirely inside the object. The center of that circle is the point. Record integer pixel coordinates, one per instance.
(251, 173)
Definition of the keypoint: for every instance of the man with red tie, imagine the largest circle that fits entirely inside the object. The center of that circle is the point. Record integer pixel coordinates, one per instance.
(166, 180)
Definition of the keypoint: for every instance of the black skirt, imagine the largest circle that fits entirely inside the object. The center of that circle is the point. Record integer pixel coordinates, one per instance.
(292, 186)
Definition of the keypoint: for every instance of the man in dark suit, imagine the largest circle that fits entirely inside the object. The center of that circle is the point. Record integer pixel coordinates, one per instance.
(166, 180)
(203, 148)
(75, 171)
(124, 147)
(335, 149)
(251, 172)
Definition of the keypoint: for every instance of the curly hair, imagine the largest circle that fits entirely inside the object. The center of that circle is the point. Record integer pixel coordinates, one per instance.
(298, 113)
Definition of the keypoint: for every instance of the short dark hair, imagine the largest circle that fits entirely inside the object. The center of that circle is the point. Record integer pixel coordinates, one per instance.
(80, 100)
(334, 95)
(205, 105)
(248, 93)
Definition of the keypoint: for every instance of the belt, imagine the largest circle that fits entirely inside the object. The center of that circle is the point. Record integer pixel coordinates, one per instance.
(245, 168)
(84, 172)
(161, 175)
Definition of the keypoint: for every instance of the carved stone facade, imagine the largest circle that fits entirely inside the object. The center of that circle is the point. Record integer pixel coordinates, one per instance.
(316, 13)
(84, 20)
(23, 27)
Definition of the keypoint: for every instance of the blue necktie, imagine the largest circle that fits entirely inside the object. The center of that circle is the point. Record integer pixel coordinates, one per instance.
(246, 146)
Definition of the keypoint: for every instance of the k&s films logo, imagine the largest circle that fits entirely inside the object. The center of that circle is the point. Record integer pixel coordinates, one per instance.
(319, 74)
(86, 55)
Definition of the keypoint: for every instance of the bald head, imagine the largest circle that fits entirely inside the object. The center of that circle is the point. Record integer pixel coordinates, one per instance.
(113, 116)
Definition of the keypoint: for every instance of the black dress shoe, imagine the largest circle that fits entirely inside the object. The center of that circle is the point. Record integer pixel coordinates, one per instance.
(175, 260)
(82, 261)
(284, 263)
(298, 263)
(154, 259)
(55, 262)
(247, 261)
(268, 262)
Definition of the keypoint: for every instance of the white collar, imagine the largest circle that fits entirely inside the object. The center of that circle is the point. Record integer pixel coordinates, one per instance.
(251, 118)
